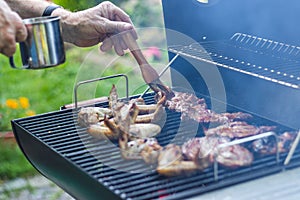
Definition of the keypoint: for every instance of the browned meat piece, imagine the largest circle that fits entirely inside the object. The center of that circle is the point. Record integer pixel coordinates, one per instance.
(234, 156)
(201, 147)
(191, 149)
(92, 115)
(171, 163)
(267, 145)
(159, 116)
(183, 102)
(113, 99)
(238, 129)
(204, 150)
(192, 107)
(147, 149)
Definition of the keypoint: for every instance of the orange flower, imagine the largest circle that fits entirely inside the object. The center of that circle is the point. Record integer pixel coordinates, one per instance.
(12, 103)
(24, 102)
(30, 113)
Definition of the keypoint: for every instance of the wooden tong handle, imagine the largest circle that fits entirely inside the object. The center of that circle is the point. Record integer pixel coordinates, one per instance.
(134, 48)
(148, 72)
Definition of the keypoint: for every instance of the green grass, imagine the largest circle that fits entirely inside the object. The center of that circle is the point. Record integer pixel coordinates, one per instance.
(12, 162)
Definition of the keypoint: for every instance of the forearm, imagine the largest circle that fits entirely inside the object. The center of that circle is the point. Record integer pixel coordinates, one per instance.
(28, 8)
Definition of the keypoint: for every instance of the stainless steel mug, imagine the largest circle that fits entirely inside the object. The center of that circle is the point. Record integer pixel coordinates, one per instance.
(44, 46)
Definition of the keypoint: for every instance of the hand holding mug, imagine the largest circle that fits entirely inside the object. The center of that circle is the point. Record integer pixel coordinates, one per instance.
(12, 30)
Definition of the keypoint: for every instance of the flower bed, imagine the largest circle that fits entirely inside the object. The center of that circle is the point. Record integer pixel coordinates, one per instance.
(13, 109)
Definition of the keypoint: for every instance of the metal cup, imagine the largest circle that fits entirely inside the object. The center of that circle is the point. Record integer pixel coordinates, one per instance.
(44, 46)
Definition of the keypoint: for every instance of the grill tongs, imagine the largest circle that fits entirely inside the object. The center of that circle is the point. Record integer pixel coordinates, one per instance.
(149, 74)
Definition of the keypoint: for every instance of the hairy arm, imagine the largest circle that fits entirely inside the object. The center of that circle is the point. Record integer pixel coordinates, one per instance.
(28, 8)
(99, 24)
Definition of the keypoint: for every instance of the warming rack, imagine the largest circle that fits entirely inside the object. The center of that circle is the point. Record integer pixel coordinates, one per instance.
(259, 57)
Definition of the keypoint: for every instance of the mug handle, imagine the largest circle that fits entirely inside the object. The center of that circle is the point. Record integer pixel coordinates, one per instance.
(12, 64)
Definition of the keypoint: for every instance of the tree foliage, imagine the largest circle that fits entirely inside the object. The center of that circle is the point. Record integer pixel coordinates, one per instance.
(144, 13)
(76, 5)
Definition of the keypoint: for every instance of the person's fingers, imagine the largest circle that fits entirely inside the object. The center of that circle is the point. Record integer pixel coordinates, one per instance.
(133, 32)
(20, 29)
(123, 44)
(117, 45)
(106, 44)
(117, 27)
(8, 41)
(9, 49)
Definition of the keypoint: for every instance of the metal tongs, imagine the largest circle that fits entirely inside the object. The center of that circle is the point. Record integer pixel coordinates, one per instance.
(149, 74)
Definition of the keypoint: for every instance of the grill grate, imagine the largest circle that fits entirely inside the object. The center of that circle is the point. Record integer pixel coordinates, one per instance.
(58, 131)
(259, 57)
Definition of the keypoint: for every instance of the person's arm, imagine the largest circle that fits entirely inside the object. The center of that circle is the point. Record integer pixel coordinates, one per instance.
(28, 9)
(99, 24)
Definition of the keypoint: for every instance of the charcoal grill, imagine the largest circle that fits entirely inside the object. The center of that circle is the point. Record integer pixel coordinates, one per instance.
(237, 37)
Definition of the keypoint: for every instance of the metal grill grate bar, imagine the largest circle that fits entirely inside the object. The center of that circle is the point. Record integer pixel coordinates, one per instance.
(274, 62)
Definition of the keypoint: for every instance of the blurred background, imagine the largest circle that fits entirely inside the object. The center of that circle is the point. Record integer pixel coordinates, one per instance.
(25, 93)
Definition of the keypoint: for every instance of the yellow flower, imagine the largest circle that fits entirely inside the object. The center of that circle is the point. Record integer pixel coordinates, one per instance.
(30, 113)
(12, 103)
(24, 102)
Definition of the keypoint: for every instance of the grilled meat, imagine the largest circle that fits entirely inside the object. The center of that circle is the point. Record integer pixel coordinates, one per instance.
(201, 147)
(101, 131)
(139, 112)
(204, 150)
(92, 115)
(267, 145)
(147, 149)
(192, 107)
(171, 162)
(158, 117)
(238, 129)
(109, 130)
(234, 156)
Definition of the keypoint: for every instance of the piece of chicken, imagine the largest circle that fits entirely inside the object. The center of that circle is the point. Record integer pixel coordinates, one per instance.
(171, 162)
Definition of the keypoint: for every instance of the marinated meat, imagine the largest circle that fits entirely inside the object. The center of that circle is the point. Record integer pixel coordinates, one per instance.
(267, 145)
(204, 150)
(201, 150)
(192, 107)
(171, 162)
(234, 156)
(147, 149)
(238, 129)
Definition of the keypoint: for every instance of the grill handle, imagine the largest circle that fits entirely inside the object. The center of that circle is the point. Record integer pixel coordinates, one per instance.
(85, 103)
(99, 79)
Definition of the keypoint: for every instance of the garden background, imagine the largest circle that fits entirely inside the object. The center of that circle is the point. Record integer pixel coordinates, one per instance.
(31, 92)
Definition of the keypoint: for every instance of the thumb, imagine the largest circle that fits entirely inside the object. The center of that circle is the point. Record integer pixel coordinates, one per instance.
(117, 27)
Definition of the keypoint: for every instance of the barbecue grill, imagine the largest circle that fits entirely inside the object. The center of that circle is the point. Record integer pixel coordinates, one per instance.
(259, 69)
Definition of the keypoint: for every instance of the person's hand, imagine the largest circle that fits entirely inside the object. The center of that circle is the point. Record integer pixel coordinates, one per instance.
(101, 23)
(12, 30)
